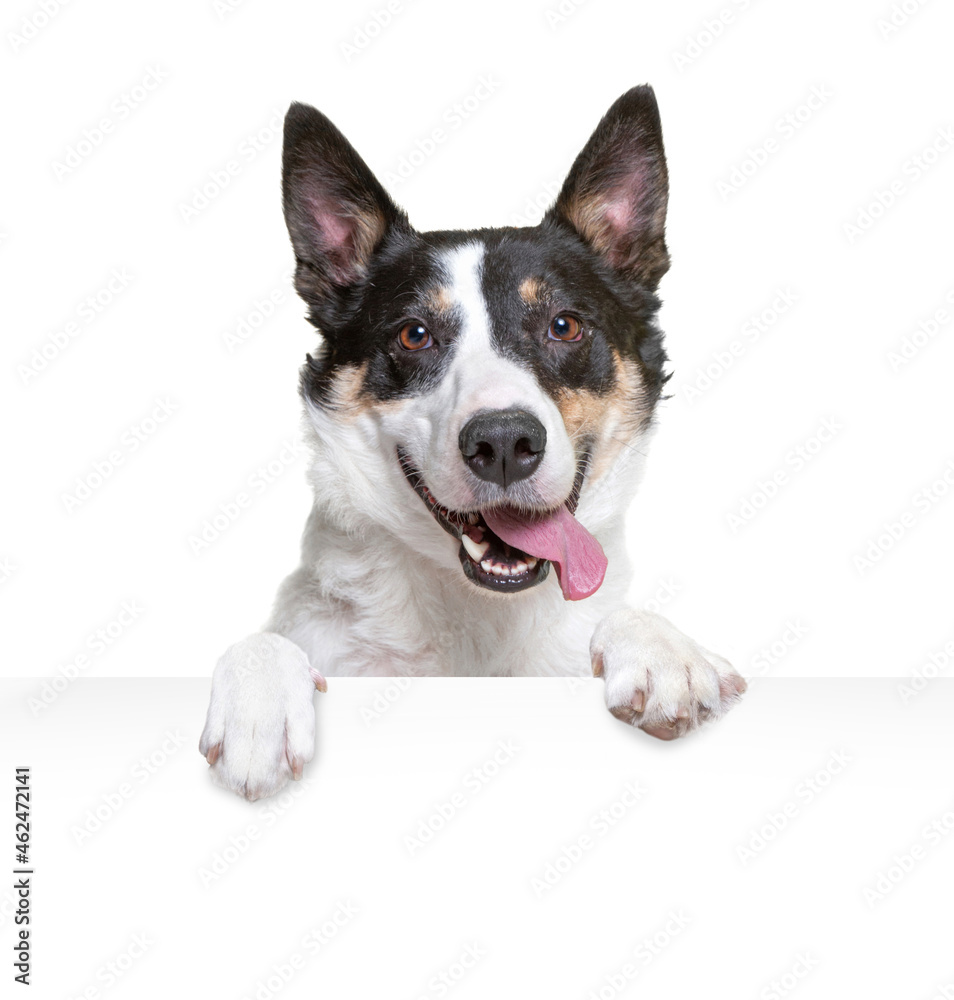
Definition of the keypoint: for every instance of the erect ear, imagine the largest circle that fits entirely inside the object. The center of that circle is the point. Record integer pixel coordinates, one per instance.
(616, 193)
(335, 209)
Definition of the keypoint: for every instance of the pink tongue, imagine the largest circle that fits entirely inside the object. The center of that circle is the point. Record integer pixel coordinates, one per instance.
(559, 537)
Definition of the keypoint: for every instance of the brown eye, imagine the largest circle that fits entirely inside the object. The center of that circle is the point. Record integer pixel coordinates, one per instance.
(566, 328)
(414, 337)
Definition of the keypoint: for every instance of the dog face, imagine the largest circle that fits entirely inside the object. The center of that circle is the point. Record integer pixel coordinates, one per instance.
(498, 374)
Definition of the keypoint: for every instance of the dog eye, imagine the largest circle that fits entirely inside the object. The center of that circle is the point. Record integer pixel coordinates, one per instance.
(566, 328)
(414, 337)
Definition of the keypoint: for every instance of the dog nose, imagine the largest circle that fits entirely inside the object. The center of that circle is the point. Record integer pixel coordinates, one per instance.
(503, 446)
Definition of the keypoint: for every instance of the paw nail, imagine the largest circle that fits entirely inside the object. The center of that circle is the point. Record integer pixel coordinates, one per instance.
(732, 685)
(639, 701)
(597, 664)
(320, 682)
(214, 753)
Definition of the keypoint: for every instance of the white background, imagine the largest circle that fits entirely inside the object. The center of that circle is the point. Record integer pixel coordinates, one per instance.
(800, 826)
(230, 77)
(787, 580)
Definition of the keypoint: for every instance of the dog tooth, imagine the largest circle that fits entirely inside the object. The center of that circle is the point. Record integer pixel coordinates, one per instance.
(505, 571)
(531, 562)
(475, 550)
(521, 567)
(487, 565)
(496, 569)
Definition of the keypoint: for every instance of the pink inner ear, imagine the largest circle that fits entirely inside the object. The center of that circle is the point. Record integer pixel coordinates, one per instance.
(622, 206)
(624, 212)
(334, 231)
(335, 235)
(618, 211)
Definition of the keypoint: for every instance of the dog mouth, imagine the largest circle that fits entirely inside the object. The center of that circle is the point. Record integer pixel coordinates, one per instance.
(491, 538)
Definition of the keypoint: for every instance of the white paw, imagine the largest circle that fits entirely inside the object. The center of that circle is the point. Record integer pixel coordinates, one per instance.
(659, 679)
(260, 727)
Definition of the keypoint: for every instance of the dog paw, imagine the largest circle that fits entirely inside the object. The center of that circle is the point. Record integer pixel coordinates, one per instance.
(260, 727)
(659, 679)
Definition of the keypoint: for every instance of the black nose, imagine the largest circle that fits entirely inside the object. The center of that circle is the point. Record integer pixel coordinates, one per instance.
(503, 446)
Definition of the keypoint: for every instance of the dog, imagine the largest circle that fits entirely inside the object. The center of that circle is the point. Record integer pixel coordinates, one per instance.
(478, 414)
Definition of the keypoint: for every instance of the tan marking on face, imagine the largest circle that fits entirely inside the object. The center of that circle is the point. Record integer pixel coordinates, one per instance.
(347, 396)
(610, 421)
(439, 300)
(533, 291)
(349, 401)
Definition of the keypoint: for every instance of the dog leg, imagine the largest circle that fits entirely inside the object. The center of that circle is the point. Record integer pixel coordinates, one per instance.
(260, 727)
(659, 679)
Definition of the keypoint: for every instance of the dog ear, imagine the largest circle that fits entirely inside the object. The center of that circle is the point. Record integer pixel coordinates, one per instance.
(616, 193)
(335, 209)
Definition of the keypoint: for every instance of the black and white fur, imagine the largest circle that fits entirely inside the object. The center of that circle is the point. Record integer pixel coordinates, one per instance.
(384, 587)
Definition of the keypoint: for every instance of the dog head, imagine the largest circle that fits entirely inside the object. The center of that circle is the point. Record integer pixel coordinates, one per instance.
(483, 382)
